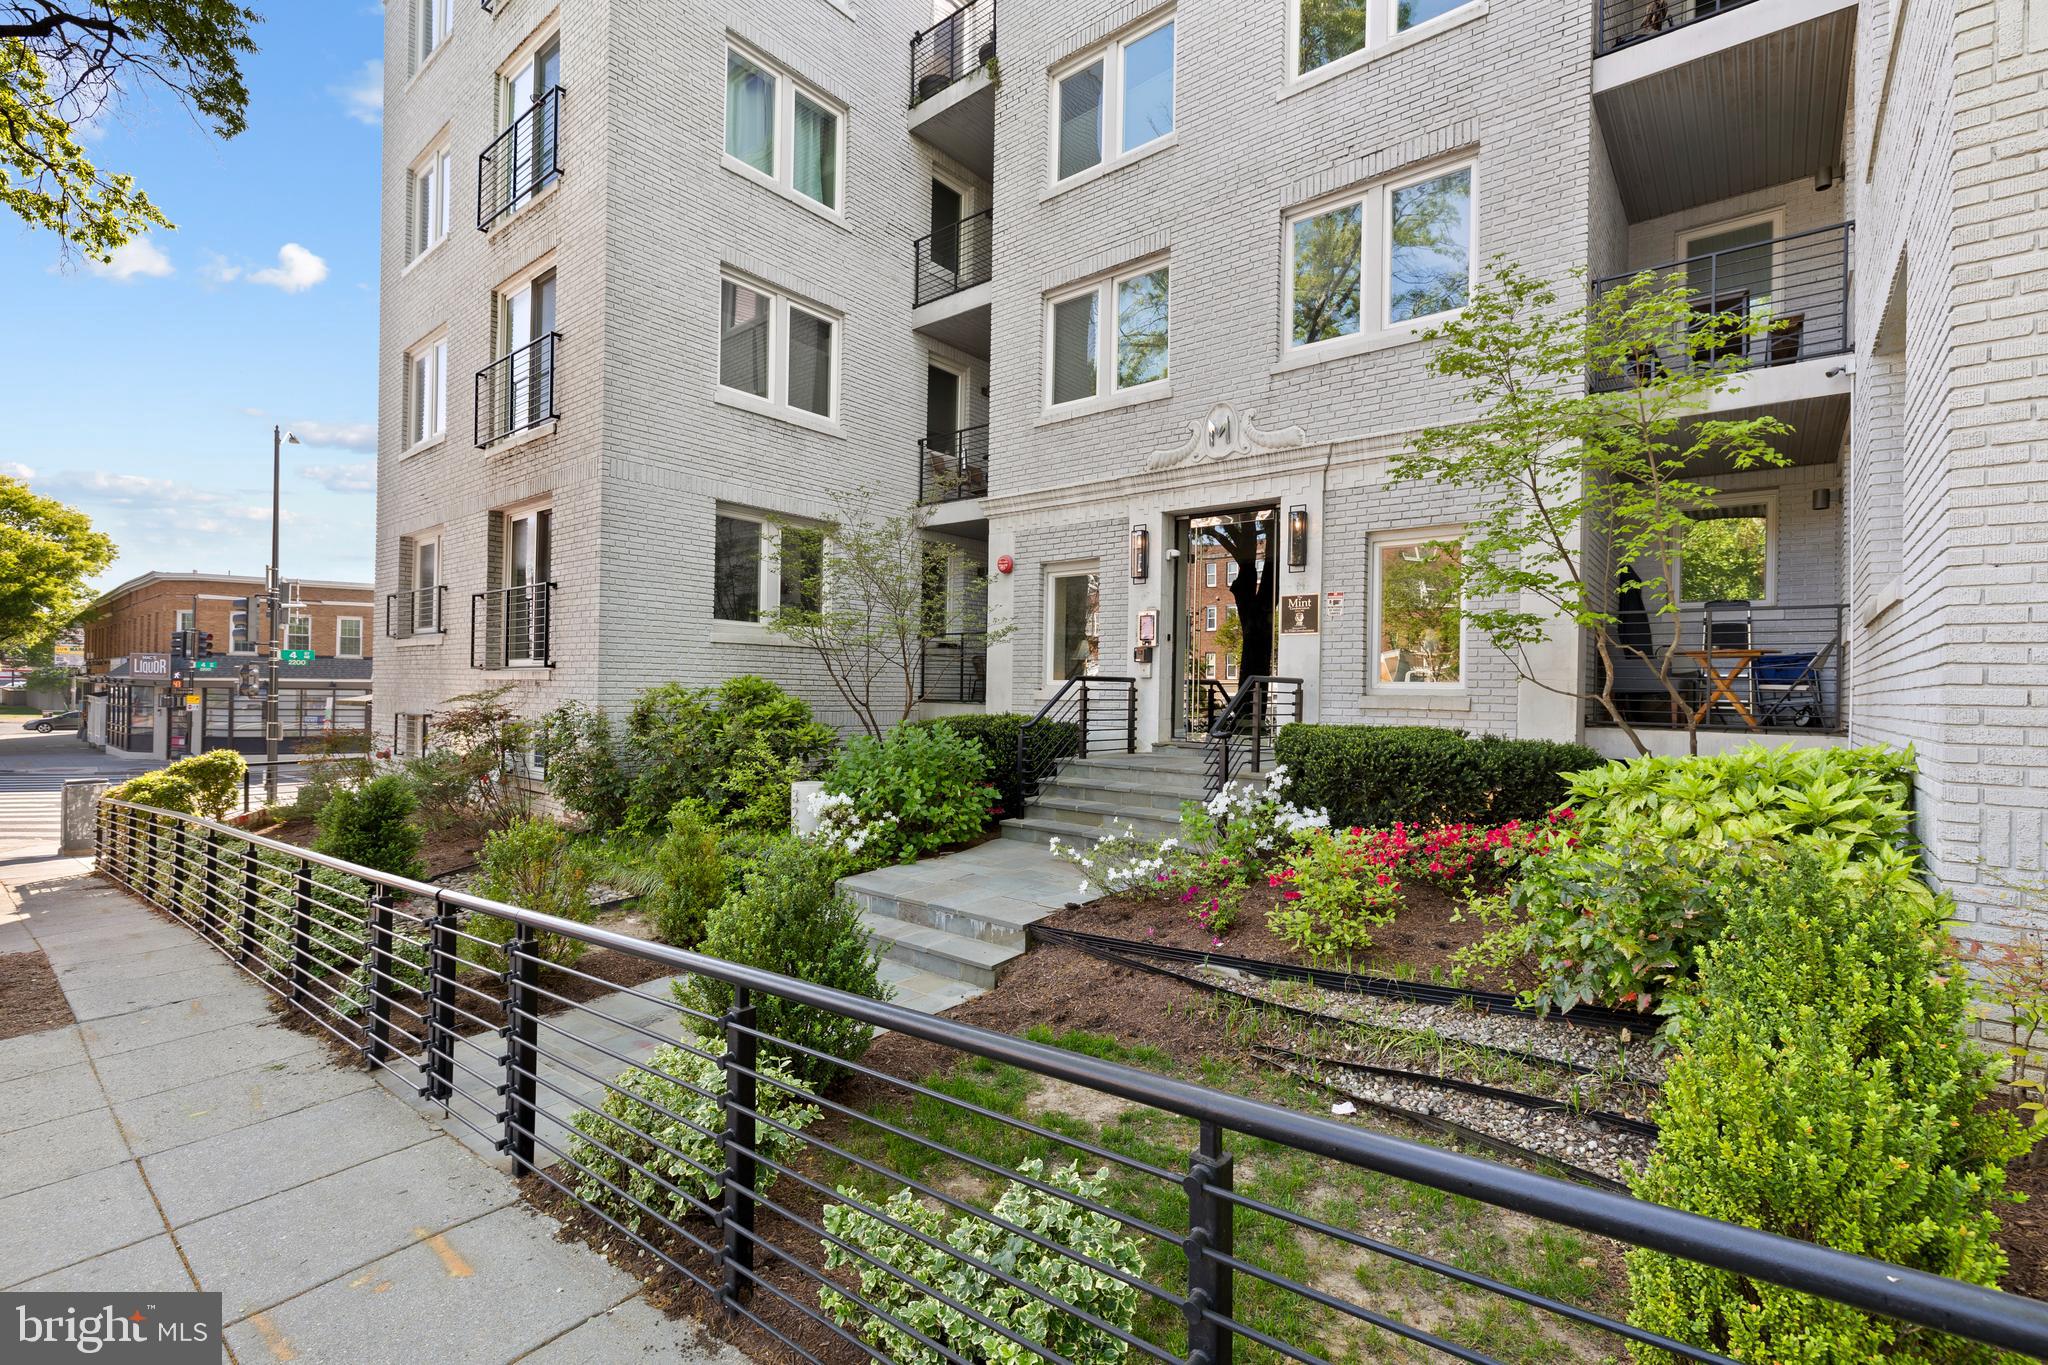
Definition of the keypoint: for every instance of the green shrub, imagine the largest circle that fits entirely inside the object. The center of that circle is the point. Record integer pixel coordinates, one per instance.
(373, 826)
(345, 763)
(791, 917)
(1825, 1089)
(1065, 1279)
(689, 878)
(1375, 775)
(1335, 895)
(718, 745)
(633, 1138)
(585, 773)
(915, 790)
(996, 736)
(207, 784)
(162, 788)
(534, 865)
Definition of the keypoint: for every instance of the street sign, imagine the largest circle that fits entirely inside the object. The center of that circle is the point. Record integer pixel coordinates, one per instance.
(191, 699)
(296, 656)
(205, 665)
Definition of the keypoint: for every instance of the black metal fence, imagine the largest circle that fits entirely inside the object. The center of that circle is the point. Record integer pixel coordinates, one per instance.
(1241, 735)
(416, 611)
(1800, 282)
(1097, 714)
(954, 257)
(508, 627)
(953, 49)
(1624, 22)
(953, 467)
(819, 1212)
(1779, 667)
(953, 668)
(521, 161)
(517, 392)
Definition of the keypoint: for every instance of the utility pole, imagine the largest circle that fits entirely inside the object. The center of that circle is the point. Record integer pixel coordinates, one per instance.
(273, 731)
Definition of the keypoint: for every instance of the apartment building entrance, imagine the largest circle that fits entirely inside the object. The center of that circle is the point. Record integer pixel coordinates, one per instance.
(1226, 584)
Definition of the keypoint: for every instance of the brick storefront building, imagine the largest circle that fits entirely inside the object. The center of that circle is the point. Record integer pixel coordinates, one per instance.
(138, 617)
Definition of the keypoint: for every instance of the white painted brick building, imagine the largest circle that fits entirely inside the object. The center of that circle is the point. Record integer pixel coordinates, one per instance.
(765, 219)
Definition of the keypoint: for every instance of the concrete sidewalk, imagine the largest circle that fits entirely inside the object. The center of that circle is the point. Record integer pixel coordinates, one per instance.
(177, 1138)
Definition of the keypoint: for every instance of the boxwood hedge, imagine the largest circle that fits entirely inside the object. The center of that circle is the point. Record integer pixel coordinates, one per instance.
(1373, 775)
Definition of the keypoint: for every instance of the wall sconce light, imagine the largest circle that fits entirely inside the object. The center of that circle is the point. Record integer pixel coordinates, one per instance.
(1297, 537)
(1141, 553)
(1823, 498)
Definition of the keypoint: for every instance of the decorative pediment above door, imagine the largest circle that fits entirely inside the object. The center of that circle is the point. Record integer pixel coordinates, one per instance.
(1222, 435)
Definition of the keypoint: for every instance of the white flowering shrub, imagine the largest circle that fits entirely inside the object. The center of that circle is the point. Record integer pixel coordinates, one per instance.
(1060, 1276)
(842, 827)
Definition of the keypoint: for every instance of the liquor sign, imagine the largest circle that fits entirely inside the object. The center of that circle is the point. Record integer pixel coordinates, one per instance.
(149, 665)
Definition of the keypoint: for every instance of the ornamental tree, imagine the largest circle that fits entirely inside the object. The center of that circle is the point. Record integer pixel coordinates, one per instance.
(47, 551)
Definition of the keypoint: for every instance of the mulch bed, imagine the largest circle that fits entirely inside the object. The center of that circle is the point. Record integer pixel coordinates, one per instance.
(443, 851)
(30, 998)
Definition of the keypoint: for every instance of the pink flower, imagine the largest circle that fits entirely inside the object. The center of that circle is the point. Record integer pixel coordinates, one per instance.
(1215, 943)
(1290, 895)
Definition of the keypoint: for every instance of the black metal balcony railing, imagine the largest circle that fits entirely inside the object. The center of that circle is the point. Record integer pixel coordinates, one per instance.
(416, 611)
(1784, 667)
(522, 161)
(517, 392)
(1800, 282)
(953, 668)
(955, 257)
(954, 467)
(1623, 22)
(508, 627)
(956, 47)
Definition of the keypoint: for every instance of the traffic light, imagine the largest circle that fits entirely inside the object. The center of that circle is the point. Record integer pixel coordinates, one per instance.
(250, 688)
(181, 641)
(202, 644)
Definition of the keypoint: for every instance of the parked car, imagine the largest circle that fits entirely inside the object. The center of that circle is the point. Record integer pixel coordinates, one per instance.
(56, 720)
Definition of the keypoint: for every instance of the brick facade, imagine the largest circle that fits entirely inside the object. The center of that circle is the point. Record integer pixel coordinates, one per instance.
(138, 616)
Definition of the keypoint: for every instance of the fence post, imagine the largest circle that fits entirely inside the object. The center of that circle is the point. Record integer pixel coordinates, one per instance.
(1259, 725)
(209, 890)
(251, 863)
(1084, 717)
(742, 1055)
(1211, 1283)
(1131, 719)
(441, 969)
(379, 979)
(522, 1036)
(302, 934)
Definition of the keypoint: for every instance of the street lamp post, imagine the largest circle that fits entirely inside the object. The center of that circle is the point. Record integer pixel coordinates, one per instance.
(272, 731)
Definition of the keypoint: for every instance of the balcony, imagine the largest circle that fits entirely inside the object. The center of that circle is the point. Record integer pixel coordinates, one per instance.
(1801, 282)
(416, 611)
(953, 468)
(953, 259)
(1622, 22)
(953, 669)
(952, 89)
(516, 393)
(1745, 669)
(508, 627)
(524, 160)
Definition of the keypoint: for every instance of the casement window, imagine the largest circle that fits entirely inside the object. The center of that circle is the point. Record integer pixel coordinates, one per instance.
(1073, 610)
(782, 130)
(1726, 551)
(348, 637)
(1131, 353)
(759, 568)
(1391, 256)
(298, 633)
(426, 392)
(429, 202)
(238, 633)
(432, 21)
(1417, 616)
(1110, 104)
(1322, 33)
(776, 355)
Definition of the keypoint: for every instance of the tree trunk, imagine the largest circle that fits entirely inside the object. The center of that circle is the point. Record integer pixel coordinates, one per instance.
(1254, 602)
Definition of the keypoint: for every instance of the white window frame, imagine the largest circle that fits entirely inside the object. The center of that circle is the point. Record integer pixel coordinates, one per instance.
(433, 351)
(782, 177)
(185, 619)
(295, 622)
(341, 653)
(1209, 618)
(1402, 540)
(1376, 251)
(777, 404)
(1109, 144)
(1211, 575)
(1380, 35)
(422, 541)
(248, 636)
(769, 567)
(428, 39)
(1108, 392)
(439, 164)
(1769, 500)
(1049, 576)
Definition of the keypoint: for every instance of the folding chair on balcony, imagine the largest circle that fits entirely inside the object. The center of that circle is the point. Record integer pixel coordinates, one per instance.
(1790, 689)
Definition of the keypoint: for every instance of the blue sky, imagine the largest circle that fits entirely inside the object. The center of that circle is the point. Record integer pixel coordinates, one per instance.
(145, 393)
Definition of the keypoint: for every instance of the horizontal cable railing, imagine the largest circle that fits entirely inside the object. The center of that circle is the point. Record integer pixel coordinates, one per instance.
(953, 49)
(416, 611)
(952, 258)
(1784, 667)
(953, 668)
(521, 161)
(1799, 283)
(953, 467)
(517, 393)
(1241, 736)
(1623, 22)
(508, 627)
(1087, 716)
(819, 1212)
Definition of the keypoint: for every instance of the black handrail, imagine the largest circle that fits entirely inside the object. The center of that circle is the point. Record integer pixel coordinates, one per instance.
(517, 392)
(521, 161)
(1087, 715)
(954, 48)
(953, 257)
(1625, 22)
(377, 961)
(515, 627)
(1237, 739)
(416, 611)
(954, 467)
(953, 668)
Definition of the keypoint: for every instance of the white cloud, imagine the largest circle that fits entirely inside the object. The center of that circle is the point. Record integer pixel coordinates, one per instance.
(343, 478)
(296, 271)
(363, 98)
(345, 435)
(254, 412)
(137, 257)
(14, 470)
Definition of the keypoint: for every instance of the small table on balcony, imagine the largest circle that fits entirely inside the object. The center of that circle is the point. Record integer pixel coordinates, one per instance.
(1721, 685)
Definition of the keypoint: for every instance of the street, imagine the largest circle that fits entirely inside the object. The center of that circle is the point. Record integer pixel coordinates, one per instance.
(33, 769)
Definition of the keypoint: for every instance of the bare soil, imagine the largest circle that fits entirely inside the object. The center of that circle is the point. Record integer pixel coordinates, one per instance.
(30, 998)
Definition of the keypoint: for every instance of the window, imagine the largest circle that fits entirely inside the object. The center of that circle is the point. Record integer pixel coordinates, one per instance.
(184, 621)
(782, 130)
(1124, 91)
(781, 353)
(1211, 575)
(736, 589)
(428, 198)
(527, 159)
(432, 21)
(238, 633)
(1073, 610)
(1209, 618)
(1725, 553)
(348, 637)
(426, 581)
(426, 392)
(1133, 352)
(1230, 665)
(522, 383)
(802, 566)
(1417, 617)
(1230, 574)
(1324, 32)
(409, 737)
(298, 633)
(1209, 664)
(1426, 246)
(745, 576)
